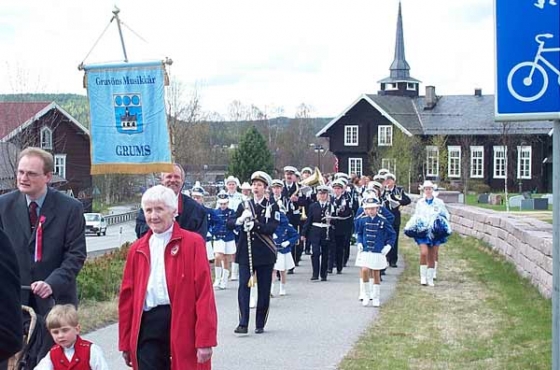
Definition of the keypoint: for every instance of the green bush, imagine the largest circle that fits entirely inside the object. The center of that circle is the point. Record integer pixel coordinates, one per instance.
(480, 188)
(100, 278)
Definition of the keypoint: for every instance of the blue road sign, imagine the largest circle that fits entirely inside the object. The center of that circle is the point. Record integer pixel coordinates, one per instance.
(527, 59)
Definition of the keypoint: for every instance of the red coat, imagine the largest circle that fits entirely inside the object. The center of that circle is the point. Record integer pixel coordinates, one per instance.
(194, 318)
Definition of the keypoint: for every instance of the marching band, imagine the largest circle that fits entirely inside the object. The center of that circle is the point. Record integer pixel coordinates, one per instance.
(267, 228)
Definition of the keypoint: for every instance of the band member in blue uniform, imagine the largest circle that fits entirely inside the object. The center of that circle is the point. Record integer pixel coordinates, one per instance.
(375, 237)
(235, 198)
(197, 193)
(224, 241)
(256, 251)
(318, 230)
(285, 237)
(342, 224)
(292, 193)
(394, 198)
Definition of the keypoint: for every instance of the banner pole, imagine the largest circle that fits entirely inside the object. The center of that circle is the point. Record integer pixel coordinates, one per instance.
(116, 13)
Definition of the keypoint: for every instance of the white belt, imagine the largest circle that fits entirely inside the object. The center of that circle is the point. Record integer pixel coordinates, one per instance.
(320, 224)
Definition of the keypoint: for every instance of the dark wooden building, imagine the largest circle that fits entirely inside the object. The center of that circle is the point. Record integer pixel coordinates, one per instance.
(456, 139)
(48, 126)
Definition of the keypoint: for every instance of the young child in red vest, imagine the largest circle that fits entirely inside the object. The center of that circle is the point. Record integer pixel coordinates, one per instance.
(70, 351)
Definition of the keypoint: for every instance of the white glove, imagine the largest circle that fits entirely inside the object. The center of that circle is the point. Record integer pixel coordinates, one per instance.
(246, 215)
(285, 243)
(360, 247)
(248, 226)
(208, 234)
(386, 250)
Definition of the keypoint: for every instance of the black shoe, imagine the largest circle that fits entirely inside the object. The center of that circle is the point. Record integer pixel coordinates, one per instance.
(241, 330)
(338, 272)
(291, 272)
(324, 279)
(393, 265)
(259, 330)
(329, 271)
(382, 272)
(314, 278)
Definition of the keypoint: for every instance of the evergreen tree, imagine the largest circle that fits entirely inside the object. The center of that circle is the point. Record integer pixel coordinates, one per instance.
(251, 155)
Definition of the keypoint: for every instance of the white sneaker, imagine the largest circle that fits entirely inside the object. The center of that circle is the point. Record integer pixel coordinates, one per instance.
(282, 289)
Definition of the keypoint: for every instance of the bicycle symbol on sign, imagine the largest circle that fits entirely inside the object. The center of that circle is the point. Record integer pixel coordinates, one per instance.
(527, 72)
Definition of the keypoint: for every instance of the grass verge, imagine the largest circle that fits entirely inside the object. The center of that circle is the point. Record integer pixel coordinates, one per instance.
(480, 315)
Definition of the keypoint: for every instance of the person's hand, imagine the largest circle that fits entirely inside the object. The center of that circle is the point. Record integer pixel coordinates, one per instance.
(294, 198)
(248, 226)
(246, 215)
(303, 238)
(203, 354)
(386, 249)
(285, 243)
(126, 357)
(41, 289)
(360, 247)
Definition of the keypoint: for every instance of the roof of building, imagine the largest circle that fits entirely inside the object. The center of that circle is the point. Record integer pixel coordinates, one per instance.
(452, 115)
(16, 116)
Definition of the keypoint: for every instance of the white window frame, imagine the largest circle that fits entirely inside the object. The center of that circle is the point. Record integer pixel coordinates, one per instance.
(389, 86)
(523, 161)
(411, 86)
(477, 163)
(46, 138)
(385, 135)
(355, 165)
(432, 161)
(454, 161)
(499, 163)
(351, 135)
(60, 165)
(390, 164)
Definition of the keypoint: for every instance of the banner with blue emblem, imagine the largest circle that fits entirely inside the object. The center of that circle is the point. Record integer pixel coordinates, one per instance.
(129, 131)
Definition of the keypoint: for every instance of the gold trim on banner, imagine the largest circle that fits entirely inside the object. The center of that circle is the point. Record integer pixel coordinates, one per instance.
(131, 168)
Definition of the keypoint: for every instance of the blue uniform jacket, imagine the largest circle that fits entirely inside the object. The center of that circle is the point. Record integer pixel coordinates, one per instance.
(284, 232)
(220, 231)
(374, 233)
(212, 220)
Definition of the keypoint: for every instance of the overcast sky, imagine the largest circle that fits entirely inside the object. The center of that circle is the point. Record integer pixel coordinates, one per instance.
(323, 53)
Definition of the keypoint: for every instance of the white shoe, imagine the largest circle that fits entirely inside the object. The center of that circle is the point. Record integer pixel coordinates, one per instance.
(430, 277)
(362, 295)
(282, 289)
(234, 271)
(272, 290)
(224, 280)
(365, 301)
(435, 271)
(376, 293)
(217, 276)
(423, 274)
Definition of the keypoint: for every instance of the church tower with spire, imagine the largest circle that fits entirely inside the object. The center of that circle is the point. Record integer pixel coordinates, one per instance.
(399, 82)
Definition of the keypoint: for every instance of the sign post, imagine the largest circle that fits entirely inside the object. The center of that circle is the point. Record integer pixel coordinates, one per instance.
(528, 88)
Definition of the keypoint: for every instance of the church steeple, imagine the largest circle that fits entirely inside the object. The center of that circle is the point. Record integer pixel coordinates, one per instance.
(399, 81)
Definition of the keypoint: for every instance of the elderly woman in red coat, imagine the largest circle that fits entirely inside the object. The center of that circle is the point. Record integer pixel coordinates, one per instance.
(167, 311)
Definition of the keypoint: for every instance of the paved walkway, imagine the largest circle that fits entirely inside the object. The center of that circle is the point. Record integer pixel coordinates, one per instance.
(311, 328)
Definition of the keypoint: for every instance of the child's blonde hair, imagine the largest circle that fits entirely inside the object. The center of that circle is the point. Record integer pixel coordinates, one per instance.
(62, 314)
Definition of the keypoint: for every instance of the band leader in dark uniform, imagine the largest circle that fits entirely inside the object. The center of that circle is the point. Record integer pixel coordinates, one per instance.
(394, 198)
(256, 251)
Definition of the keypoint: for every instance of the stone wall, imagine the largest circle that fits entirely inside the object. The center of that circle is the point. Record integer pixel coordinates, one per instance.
(524, 241)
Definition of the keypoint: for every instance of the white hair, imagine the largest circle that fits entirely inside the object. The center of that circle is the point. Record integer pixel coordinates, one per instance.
(160, 193)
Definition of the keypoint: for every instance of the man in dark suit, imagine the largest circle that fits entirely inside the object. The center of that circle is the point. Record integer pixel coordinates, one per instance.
(11, 327)
(47, 231)
(191, 216)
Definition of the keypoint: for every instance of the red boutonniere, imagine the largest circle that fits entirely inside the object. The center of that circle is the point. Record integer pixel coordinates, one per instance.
(39, 239)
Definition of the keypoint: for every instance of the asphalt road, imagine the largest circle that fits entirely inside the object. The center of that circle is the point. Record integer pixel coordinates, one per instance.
(311, 328)
(116, 236)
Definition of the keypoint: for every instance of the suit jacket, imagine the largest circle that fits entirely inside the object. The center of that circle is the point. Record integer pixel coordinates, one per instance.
(192, 218)
(64, 243)
(11, 327)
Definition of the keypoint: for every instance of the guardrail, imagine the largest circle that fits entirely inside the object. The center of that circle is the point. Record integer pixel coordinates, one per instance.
(120, 217)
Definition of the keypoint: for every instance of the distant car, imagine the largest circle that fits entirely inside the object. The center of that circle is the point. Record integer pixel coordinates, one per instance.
(95, 223)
